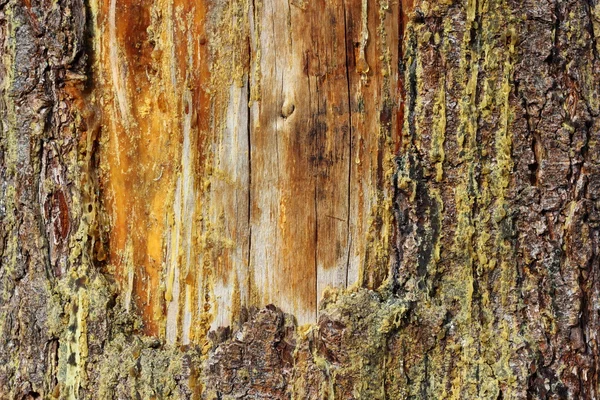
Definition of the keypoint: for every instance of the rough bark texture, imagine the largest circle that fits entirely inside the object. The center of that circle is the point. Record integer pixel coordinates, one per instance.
(168, 168)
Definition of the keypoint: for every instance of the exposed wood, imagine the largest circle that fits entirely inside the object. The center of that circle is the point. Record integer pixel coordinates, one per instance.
(243, 154)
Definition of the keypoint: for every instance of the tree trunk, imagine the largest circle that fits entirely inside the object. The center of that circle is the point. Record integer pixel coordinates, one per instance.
(299, 199)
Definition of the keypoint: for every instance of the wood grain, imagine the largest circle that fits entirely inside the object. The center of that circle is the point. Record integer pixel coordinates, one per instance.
(246, 149)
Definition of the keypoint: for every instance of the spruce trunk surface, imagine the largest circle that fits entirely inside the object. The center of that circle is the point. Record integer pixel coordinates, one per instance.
(299, 199)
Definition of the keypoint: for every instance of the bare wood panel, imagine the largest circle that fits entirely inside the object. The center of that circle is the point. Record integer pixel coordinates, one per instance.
(154, 105)
(285, 137)
(245, 155)
(321, 149)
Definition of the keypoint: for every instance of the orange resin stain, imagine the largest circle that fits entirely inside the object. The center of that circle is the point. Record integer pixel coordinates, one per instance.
(150, 52)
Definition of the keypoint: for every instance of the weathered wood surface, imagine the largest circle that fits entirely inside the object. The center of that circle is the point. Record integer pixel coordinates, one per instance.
(168, 168)
(244, 153)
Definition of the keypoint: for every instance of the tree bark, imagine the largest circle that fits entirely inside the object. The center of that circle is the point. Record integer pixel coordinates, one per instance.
(299, 199)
